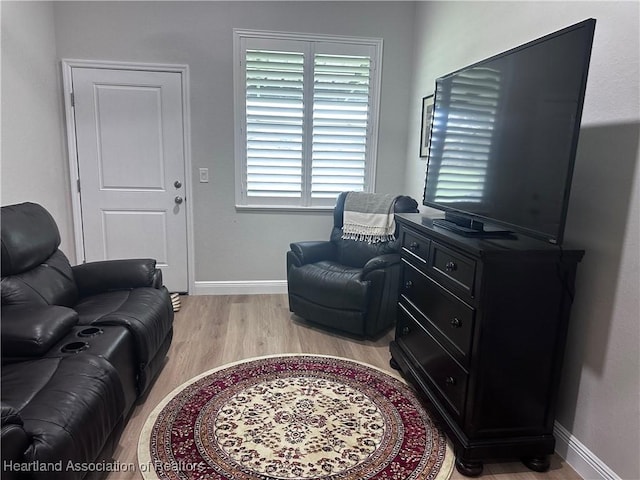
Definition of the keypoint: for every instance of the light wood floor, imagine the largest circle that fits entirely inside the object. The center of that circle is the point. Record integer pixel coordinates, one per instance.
(210, 331)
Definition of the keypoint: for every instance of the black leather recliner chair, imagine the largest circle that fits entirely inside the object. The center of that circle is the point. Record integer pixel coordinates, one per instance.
(346, 285)
(79, 345)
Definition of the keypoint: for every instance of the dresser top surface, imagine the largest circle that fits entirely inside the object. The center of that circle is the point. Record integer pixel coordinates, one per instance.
(485, 246)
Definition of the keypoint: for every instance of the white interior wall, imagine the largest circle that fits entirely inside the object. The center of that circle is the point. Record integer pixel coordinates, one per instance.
(34, 165)
(599, 401)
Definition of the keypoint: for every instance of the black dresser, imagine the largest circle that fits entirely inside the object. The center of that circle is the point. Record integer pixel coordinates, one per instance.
(481, 331)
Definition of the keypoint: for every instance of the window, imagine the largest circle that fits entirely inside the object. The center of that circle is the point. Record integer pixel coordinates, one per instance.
(306, 117)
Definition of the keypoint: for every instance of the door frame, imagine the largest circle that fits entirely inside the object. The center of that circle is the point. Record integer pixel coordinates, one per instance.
(67, 69)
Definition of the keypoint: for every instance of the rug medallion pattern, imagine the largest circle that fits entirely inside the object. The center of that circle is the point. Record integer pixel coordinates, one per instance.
(294, 417)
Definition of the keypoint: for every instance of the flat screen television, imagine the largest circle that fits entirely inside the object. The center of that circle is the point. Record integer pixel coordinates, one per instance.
(504, 135)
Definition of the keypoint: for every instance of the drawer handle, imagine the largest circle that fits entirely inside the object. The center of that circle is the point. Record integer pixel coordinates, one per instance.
(451, 267)
(405, 330)
(408, 284)
(414, 246)
(450, 381)
(456, 323)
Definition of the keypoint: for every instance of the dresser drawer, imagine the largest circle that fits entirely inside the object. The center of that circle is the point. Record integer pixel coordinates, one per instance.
(438, 366)
(448, 314)
(416, 245)
(455, 269)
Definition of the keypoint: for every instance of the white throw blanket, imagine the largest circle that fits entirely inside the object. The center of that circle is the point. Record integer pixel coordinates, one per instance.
(368, 217)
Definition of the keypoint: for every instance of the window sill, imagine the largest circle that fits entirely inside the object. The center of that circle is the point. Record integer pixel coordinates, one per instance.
(283, 209)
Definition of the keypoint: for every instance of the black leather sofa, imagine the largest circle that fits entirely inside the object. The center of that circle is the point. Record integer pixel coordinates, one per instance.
(346, 285)
(79, 346)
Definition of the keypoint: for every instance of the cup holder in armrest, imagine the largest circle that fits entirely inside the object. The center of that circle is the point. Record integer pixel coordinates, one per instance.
(75, 347)
(90, 332)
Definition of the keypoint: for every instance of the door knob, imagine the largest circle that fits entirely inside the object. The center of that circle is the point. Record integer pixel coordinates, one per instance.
(178, 199)
(177, 184)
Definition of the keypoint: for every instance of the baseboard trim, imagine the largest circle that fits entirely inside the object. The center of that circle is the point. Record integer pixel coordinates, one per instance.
(581, 459)
(249, 287)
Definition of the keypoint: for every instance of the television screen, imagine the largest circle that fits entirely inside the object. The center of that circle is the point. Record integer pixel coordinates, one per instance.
(504, 135)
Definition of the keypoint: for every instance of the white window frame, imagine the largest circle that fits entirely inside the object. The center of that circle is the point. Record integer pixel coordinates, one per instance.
(342, 45)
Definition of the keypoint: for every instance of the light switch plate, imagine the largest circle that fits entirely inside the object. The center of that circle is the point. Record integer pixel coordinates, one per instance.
(204, 175)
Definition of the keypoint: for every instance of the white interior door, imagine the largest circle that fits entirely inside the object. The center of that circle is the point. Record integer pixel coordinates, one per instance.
(131, 167)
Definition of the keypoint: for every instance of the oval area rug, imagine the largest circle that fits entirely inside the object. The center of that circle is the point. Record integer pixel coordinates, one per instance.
(289, 417)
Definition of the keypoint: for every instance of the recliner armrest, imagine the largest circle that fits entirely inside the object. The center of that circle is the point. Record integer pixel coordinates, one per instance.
(13, 441)
(30, 331)
(380, 262)
(109, 275)
(312, 252)
(10, 416)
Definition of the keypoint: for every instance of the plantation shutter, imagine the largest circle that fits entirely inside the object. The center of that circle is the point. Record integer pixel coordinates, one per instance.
(340, 123)
(307, 121)
(274, 123)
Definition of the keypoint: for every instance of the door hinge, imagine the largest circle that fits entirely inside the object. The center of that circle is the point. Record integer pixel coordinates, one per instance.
(73, 99)
(78, 184)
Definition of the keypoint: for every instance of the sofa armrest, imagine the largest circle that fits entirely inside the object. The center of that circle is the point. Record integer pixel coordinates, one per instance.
(312, 252)
(13, 441)
(30, 331)
(10, 416)
(109, 275)
(379, 263)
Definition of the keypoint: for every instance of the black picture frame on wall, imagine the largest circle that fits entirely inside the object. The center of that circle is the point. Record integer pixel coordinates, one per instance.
(427, 117)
